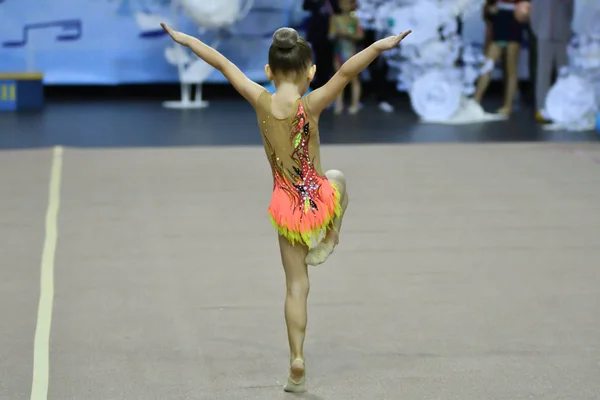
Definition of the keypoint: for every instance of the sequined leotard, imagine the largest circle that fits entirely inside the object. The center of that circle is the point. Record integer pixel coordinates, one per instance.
(304, 202)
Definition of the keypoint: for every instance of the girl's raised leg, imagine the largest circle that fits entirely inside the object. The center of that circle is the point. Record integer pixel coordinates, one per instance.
(297, 284)
(319, 254)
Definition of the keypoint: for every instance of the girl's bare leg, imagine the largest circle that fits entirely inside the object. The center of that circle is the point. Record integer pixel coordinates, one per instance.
(319, 254)
(494, 53)
(513, 50)
(297, 284)
(356, 93)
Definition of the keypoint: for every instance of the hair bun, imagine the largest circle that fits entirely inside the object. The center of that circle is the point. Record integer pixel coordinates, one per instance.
(285, 38)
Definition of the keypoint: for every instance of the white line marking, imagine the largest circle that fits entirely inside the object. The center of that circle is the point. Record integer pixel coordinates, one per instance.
(41, 346)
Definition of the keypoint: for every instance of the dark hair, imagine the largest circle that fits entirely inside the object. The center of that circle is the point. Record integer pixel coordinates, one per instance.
(289, 52)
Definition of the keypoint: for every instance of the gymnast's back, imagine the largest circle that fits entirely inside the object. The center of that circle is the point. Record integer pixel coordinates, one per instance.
(290, 136)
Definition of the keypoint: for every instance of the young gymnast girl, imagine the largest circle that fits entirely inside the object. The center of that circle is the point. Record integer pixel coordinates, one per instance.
(305, 202)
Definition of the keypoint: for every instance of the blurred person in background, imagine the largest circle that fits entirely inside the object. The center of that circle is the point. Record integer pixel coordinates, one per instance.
(522, 14)
(379, 69)
(507, 37)
(321, 12)
(551, 24)
(488, 31)
(346, 32)
(532, 65)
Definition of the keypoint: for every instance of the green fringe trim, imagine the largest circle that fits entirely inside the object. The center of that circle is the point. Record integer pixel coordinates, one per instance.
(307, 238)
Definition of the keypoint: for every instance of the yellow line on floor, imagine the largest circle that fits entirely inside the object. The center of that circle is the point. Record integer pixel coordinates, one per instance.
(41, 347)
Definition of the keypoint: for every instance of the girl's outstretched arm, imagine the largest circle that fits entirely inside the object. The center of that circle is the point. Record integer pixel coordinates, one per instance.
(326, 94)
(247, 88)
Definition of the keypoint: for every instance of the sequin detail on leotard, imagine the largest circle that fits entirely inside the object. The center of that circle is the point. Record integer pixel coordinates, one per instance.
(304, 202)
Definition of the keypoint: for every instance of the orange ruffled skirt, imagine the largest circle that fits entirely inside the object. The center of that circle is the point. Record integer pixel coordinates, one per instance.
(303, 219)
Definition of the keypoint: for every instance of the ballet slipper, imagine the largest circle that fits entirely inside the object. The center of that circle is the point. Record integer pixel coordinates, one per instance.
(321, 252)
(353, 110)
(298, 367)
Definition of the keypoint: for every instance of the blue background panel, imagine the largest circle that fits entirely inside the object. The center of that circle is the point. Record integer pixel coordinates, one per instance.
(121, 42)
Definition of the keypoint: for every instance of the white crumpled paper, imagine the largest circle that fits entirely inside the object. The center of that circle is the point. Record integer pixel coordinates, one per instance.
(573, 102)
(214, 14)
(437, 68)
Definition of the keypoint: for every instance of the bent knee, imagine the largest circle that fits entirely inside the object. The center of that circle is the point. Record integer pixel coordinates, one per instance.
(336, 176)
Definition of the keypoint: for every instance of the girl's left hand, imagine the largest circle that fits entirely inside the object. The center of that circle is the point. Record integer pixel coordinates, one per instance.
(390, 42)
(177, 37)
